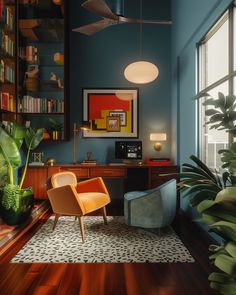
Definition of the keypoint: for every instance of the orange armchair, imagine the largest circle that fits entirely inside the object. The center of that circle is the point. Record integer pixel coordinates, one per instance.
(67, 197)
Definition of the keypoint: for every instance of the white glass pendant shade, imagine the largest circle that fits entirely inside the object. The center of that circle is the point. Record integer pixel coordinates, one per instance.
(141, 72)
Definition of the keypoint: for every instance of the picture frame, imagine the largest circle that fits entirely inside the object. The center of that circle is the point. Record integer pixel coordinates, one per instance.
(111, 112)
(113, 123)
(122, 116)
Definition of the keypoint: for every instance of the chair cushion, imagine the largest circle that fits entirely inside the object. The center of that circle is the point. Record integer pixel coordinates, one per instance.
(93, 201)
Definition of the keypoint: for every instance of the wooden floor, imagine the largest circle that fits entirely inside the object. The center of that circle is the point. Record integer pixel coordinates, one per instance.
(111, 279)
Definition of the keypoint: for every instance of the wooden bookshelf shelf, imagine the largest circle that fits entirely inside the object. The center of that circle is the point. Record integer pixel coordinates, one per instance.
(34, 37)
(41, 35)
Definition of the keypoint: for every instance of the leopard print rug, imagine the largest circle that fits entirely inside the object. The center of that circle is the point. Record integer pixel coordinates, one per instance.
(115, 242)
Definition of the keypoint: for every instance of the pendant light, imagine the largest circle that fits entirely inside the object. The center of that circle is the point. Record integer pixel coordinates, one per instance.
(141, 72)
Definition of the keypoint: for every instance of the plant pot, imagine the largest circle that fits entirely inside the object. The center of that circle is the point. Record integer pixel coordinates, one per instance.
(21, 211)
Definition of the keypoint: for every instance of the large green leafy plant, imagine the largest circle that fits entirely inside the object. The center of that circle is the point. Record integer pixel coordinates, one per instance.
(214, 194)
(10, 160)
(214, 197)
(223, 115)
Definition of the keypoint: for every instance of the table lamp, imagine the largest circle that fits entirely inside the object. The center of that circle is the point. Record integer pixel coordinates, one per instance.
(157, 137)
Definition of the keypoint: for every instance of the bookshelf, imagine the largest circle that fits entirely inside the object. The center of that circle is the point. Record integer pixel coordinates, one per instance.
(42, 60)
(7, 60)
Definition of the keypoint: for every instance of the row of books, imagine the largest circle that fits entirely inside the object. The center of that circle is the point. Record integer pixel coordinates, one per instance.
(29, 53)
(7, 73)
(30, 104)
(6, 43)
(7, 15)
(7, 102)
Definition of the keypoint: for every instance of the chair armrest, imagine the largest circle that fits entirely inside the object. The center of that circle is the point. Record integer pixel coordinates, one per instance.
(65, 200)
(92, 185)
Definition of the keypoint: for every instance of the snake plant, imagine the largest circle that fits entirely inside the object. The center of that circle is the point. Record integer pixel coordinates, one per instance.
(10, 158)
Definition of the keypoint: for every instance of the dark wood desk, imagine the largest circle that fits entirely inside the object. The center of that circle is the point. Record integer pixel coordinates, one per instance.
(135, 177)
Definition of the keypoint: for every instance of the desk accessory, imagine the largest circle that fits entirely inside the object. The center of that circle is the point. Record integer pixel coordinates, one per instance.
(158, 161)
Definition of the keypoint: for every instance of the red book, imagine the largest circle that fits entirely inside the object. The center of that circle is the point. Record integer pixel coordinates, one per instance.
(5, 101)
(1, 8)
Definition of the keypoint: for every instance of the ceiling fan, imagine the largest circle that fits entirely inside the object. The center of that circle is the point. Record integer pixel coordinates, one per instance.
(100, 8)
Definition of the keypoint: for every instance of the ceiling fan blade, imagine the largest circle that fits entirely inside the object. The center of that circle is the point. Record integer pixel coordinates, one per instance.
(100, 8)
(123, 19)
(93, 28)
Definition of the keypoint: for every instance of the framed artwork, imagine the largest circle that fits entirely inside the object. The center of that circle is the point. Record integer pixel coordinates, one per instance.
(111, 112)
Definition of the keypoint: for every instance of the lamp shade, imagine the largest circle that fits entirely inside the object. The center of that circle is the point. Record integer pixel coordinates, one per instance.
(141, 72)
(85, 125)
(158, 136)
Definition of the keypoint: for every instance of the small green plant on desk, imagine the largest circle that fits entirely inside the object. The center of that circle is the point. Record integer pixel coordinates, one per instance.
(16, 202)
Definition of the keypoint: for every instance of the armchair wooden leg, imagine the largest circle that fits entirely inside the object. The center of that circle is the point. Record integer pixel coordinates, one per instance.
(55, 221)
(81, 222)
(104, 214)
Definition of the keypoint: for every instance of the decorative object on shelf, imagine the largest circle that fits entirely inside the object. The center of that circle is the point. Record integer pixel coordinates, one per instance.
(50, 161)
(46, 134)
(89, 160)
(57, 129)
(16, 202)
(58, 2)
(55, 81)
(158, 137)
(37, 157)
(102, 106)
(31, 78)
(58, 58)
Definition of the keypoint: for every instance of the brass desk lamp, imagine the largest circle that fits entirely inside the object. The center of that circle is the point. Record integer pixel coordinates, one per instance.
(84, 126)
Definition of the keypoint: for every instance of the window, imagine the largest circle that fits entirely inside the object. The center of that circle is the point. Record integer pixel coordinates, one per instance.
(217, 73)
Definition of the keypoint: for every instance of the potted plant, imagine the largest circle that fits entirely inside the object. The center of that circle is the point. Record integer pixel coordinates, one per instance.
(16, 202)
(57, 129)
(214, 194)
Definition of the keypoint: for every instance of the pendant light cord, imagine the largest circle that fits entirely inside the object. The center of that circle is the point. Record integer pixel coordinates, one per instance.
(141, 29)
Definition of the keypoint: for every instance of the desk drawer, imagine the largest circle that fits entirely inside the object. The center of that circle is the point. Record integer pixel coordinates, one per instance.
(79, 172)
(107, 172)
(155, 172)
(157, 180)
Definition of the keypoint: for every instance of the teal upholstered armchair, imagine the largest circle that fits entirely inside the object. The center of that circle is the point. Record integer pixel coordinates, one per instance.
(153, 208)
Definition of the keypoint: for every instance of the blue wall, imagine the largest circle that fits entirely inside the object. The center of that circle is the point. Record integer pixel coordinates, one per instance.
(98, 61)
(191, 20)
